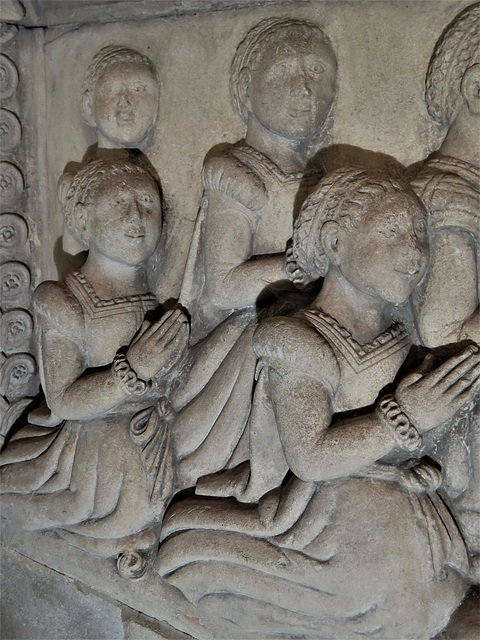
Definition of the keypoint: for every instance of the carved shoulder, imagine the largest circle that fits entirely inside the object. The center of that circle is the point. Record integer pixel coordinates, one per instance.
(451, 201)
(55, 307)
(291, 345)
(230, 176)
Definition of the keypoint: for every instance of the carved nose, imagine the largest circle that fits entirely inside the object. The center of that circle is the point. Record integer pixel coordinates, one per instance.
(300, 88)
(301, 91)
(123, 100)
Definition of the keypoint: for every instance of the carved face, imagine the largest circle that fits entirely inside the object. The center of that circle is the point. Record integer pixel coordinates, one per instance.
(124, 104)
(385, 255)
(123, 222)
(293, 86)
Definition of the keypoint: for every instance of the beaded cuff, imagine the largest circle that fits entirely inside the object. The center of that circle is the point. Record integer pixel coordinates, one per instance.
(403, 430)
(126, 376)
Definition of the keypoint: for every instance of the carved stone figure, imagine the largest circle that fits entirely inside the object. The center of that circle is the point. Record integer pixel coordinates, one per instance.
(120, 97)
(282, 85)
(355, 541)
(120, 101)
(84, 466)
(447, 302)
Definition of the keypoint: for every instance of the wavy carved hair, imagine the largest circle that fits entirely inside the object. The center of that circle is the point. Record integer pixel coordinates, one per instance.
(343, 196)
(87, 182)
(457, 49)
(249, 52)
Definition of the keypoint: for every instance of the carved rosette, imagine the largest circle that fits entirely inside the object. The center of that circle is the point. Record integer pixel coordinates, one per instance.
(13, 232)
(10, 130)
(18, 369)
(8, 77)
(16, 326)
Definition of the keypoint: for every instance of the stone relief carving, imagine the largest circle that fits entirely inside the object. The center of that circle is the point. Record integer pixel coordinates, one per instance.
(293, 563)
(311, 438)
(90, 472)
(282, 86)
(13, 232)
(18, 370)
(16, 326)
(8, 77)
(10, 130)
(120, 101)
(11, 183)
(120, 97)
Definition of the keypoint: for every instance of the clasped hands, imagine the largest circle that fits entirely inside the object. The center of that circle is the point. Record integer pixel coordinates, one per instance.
(158, 346)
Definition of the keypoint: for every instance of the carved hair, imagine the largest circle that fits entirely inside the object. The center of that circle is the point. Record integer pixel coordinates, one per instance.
(342, 196)
(254, 44)
(87, 182)
(457, 49)
(107, 57)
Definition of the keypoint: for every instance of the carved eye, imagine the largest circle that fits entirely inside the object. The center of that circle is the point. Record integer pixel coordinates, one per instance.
(140, 88)
(317, 68)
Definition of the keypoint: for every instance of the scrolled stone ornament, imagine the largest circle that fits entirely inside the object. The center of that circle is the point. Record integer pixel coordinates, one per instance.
(15, 375)
(15, 281)
(16, 327)
(11, 183)
(398, 423)
(8, 77)
(10, 130)
(131, 564)
(13, 232)
(7, 32)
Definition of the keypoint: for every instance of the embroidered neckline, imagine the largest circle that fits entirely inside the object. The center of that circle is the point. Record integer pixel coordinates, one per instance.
(98, 307)
(272, 168)
(98, 302)
(359, 356)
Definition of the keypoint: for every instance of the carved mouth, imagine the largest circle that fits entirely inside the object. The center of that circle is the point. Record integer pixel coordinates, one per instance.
(296, 113)
(135, 236)
(125, 120)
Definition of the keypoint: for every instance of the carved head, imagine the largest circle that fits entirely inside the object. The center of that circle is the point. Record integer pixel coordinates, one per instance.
(283, 74)
(120, 97)
(372, 229)
(114, 208)
(453, 74)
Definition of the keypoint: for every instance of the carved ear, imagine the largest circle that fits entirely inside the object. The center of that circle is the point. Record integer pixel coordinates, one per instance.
(331, 238)
(244, 86)
(80, 223)
(471, 88)
(87, 109)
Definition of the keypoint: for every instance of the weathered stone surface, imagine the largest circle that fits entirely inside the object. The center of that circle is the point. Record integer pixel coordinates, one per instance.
(258, 346)
(38, 602)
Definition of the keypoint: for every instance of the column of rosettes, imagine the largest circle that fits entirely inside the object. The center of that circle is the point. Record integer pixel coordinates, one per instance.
(18, 369)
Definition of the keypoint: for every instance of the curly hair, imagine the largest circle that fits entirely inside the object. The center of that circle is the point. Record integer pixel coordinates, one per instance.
(342, 196)
(255, 42)
(88, 181)
(107, 57)
(457, 49)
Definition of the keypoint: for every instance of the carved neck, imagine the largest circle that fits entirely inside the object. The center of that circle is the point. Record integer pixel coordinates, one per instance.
(363, 315)
(286, 154)
(458, 142)
(105, 143)
(112, 279)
